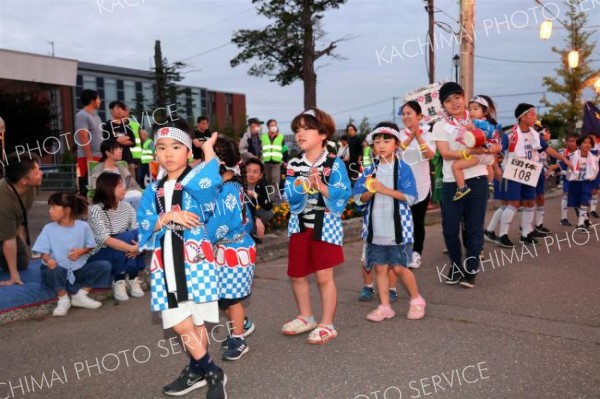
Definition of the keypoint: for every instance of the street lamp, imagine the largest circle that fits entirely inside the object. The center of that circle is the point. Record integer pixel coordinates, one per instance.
(456, 61)
(546, 30)
(573, 59)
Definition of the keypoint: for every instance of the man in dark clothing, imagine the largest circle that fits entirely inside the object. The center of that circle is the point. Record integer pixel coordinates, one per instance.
(355, 149)
(201, 134)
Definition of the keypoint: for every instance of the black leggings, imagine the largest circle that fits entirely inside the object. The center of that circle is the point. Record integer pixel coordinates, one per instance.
(418, 213)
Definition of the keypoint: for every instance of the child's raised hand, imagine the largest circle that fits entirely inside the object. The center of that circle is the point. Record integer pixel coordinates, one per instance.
(208, 147)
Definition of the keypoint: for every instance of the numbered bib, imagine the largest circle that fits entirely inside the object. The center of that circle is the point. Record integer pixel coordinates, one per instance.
(524, 171)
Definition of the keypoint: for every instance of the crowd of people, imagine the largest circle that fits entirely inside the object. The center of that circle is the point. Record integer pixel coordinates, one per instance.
(212, 198)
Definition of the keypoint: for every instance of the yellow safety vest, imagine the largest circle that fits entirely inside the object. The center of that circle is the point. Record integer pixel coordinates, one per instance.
(147, 152)
(366, 161)
(136, 150)
(272, 151)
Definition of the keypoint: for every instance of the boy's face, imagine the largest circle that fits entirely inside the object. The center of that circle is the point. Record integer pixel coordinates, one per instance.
(530, 118)
(455, 104)
(571, 144)
(385, 146)
(171, 154)
(308, 138)
(586, 145)
(253, 174)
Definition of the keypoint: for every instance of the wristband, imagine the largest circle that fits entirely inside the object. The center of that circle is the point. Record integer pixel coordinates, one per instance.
(402, 146)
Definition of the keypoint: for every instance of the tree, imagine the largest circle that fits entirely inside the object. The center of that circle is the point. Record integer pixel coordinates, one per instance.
(364, 128)
(286, 49)
(569, 83)
(166, 77)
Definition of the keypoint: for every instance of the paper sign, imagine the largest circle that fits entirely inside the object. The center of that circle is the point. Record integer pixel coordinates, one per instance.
(524, 171)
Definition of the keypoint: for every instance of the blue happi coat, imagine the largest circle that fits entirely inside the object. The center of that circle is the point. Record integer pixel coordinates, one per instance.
(235, 252)
(405, 184)
(338, 184)
(200, 186)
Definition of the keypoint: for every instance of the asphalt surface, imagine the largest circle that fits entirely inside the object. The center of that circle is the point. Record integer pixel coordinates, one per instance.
(529, 329)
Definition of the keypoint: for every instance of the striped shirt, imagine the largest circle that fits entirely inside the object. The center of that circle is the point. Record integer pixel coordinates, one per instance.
(105, 224)
(302, 166)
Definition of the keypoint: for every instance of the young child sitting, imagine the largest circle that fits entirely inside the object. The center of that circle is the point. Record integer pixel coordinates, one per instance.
(482, 113)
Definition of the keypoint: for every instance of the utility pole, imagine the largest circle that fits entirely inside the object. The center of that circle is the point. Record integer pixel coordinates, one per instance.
(431, 34)
(467, 46)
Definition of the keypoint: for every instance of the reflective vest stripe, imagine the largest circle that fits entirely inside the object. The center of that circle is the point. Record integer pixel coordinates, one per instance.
(136, 150)
(272, 151)
(147, 152)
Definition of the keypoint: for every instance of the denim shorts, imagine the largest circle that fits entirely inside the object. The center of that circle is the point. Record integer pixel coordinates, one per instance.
(391, 255)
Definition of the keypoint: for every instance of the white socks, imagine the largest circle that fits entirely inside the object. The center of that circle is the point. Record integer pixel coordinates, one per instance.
(563, 207)
(594, 203)
(539, 215)
(526, 221)
(507, 216)
(495, 219)
(582, 216)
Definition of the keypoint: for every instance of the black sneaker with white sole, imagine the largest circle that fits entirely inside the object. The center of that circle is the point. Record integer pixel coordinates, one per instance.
(529, 240)
(187, 381)
(594, 214)
(468, 281)
(505, 242)
(216, 381)
(541, 229)
(537, 234)
(581, 229)
(490, 236)
(236, 348)
(454, 276)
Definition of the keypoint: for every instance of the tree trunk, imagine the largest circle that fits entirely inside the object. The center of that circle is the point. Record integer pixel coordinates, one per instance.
(308, 73)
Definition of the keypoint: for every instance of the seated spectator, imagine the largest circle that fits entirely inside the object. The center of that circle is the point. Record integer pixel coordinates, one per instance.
(115, 229)
(65, 246)
(17, 193)
(112, 154)
(260, 206)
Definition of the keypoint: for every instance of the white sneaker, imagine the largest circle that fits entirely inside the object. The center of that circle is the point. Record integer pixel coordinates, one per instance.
(82, 300)
(120, 290)
(135, 289)
(416, 261)
(62, 307)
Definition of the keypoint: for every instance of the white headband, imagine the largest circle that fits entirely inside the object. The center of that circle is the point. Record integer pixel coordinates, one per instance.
(383, 130)
(175, 134)
(480, 100)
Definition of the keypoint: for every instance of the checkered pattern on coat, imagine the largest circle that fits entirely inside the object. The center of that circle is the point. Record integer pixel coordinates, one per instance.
(333, 230)
(293, 224)
(406, 221)
(235, 282)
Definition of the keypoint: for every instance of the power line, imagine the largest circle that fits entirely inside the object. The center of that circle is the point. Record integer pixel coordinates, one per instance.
(524, 61)
(205, 52)
(519, 94)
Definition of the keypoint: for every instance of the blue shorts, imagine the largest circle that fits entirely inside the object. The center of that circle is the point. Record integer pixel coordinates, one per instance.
(391, 255)
(497, 190)
(513, 191)
(580, 193)
(539, 189)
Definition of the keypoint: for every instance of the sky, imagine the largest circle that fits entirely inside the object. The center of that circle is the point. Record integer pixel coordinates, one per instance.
(381, 61)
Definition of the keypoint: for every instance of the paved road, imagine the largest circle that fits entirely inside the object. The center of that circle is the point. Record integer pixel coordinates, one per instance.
(528, 330)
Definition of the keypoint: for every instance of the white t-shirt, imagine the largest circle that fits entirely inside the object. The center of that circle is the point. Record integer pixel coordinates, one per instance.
(418, 163)
(168, 242)
(442, 131)
(383, 208)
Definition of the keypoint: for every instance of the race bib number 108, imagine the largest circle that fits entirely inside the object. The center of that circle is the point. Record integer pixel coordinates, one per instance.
(523, 171)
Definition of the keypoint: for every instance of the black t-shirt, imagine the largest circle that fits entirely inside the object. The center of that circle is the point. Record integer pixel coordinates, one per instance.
(202, 136)
(355, 147)
(115, 130)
